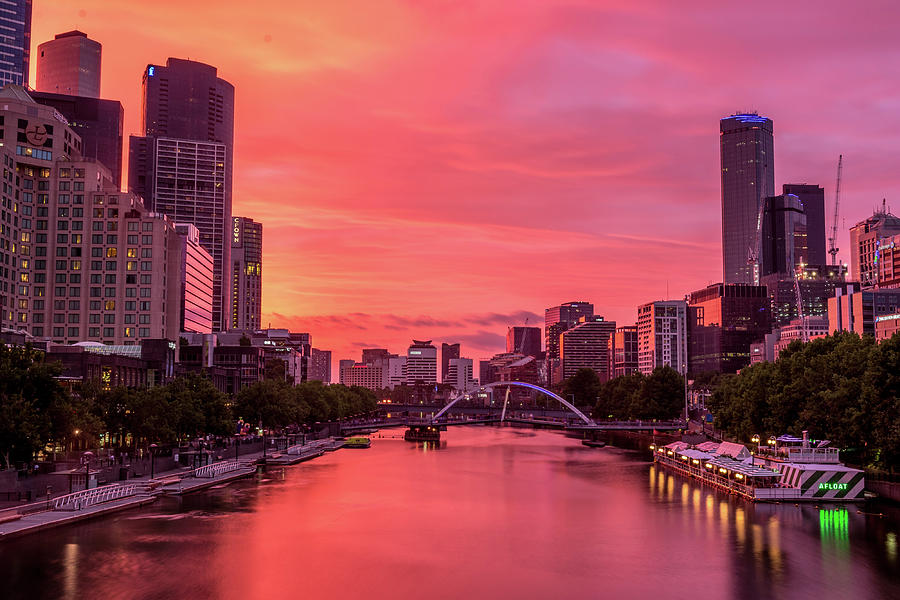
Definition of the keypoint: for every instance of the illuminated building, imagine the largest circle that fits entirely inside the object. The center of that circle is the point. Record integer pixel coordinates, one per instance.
(748, 177)
(812, 198)
(866, 245)
(182, 165)
(886, 326)
(15, 21)
(196, 274)
(623, 351)
(585, 346)
(662, 335)
(246, 273)
(421, 363)
(857, 310)
(69, 64)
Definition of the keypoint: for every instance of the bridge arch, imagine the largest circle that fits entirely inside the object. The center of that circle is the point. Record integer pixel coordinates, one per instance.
(531, 386)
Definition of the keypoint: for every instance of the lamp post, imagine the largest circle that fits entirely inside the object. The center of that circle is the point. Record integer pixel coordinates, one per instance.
(773, 443)
(755, 440)
(86, 459)
(153, 448)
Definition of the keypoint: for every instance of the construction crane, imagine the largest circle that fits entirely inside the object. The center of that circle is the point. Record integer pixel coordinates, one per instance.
(753, 253)
(832, 240)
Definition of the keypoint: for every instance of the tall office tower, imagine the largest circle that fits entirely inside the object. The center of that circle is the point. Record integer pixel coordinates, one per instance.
(448, 351)
(15, 23)
(246, 273)
(459, 375)
(623, 351)
(783, 245)
(196, 271)
(69, 64)
(559, 318)
(748, 177)
(586, 346)
(421, 363)
(724, 320)
(99, 123)
(812, 198)
(865, 244)
(662, 336)
(319, 365)
(524, 340)
(182, 166)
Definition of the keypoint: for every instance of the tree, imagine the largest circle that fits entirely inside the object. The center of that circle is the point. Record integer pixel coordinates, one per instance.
(661, 395)
(583, 387)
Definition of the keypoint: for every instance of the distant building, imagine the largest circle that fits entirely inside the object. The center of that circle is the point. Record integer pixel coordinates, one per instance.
(586, 346)
(886, 326)
(805, 330)
(857, 310)
(724, 320)
(812, 198)
(421, 363)
(246, 273)
(69, 64)
(367, 376)
(448, 353)
(866, 245)
(783, 245)
(319, 365)
(524, 340)
(460, 375)
(395, 372)
(195, 268)
(748, 177)
(662, 336)
(816, 284)
(15, 21)
(623, 351)
(370, 355)
(149, 364)
(559, 318)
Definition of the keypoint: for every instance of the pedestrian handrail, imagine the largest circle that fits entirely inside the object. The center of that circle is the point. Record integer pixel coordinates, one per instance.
(85, 498)
(216, 469)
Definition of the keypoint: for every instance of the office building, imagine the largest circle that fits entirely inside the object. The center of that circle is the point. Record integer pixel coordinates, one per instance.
(748, 177)
(662, 336)
(815, 284)
(448, 352)
(724, 320)
(558, 319)
(623, 351)
(421, 363)
(866, 245)
(460, 375)
(783, 236)
(812, 198)
(246, 273)
(372, 355)
(195, 267)
(857, 310)
(361, 374)
(182, 165)
(524, 340)
(15, 21)
(395, 372)
(886, 326)
(888, 264)
(69, 64)
(586, 346)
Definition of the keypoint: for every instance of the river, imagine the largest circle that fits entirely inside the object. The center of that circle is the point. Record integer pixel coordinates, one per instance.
(492, 513)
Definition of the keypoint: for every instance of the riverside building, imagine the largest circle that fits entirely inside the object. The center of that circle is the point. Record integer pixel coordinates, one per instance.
(246, 273)
(586, 346)
(421, 363)
(662, 336)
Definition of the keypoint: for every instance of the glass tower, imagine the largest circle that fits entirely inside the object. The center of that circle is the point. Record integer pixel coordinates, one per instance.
(15, 41)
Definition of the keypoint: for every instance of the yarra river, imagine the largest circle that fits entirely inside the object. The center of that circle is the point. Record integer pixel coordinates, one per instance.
(492, 513)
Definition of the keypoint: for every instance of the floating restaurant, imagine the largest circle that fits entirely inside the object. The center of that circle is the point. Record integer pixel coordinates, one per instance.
(790, 469)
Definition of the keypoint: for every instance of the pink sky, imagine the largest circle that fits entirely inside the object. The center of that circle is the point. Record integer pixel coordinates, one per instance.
(443, 170)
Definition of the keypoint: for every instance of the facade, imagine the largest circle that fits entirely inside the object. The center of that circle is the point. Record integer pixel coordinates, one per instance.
(15, 21)
(69, 64)
(783, 245)
(421, 363)
(623, 351)
(196, 278)
(888, 264)
(230, 368)
(662, 336)
(246, 273)
(586, 346)
(886, 326)
(865, 245)
(816, 283)
(149, 364)
(748, 177)
(524, 340)
(395, 372)
(724, 320)
(448, 353)
(367, 376)
(99, 124)
(556, 320)
(812, 198)
(319, 365)
(182, 166)
(857, 310)
(371, 355)
(460, 375)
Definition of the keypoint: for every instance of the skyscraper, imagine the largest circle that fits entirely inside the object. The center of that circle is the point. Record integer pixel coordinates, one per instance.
(448, 351)
(783, 236)
(15, 23)
(662, 336)
(524, 340)
(748, 177)
(421, 363)
(559, 318)
(586, 346)
(812, 198)
(69, 64)
(865, 244)
(246, 273)
(182, 166)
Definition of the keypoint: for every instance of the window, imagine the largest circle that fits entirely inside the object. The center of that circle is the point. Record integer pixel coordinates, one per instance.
(93, 332)
(93, 318)
(110, 292)
(73, 332)
(110, 278)
(146, 252)
(147, 239)
(145, 319)
(146, 279)
(110, 305)
(111, 252)
(132, 239)
(147, 226)
(145, 293)
(145, 305)
(109, 319)
(74, 317)
(130, 305)
(129, 319)
(144, 332)
(131, 253)
(109, 332)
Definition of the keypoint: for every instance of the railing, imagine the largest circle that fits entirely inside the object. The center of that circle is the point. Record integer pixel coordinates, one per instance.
(85, 498)
(216, 469)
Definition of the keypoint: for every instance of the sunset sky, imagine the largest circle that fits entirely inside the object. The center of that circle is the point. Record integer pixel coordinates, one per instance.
(442, 170)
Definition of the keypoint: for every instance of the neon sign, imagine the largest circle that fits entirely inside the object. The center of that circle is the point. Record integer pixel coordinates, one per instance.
(236, 230)
(151, 71)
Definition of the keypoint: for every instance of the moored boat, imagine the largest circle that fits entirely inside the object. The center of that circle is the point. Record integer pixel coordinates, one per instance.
(357, 441)
(594, 443)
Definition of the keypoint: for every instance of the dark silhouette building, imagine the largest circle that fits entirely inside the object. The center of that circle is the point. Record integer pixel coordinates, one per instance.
(15, 22)
(623, 351)
(246, 273)
(69, 64)
(560, 318)
(748, 177)
(783, 245)
(524, 340)
(448, 351)
(812, 198)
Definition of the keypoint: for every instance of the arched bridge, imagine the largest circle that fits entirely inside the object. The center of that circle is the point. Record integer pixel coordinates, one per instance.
(537, 388)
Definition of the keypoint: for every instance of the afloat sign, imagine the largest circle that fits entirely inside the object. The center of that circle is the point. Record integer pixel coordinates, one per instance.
(832, 486)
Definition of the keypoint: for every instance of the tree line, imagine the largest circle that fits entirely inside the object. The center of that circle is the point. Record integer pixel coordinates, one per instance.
(844, 388)
(659, 395)
(38, 413)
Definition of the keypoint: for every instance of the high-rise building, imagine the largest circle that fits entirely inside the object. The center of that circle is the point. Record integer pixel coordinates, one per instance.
(748, 177)
(99, 123)
(69, 64)
(448, 352)
(623, 351)
(460, 375)
(815, 283)
(182, 166)
(559, 318)
(395, 372)
(783, 245)
(586, 346)
(319, 365)
(857, 310)
(662, 336)
(246, 273)
(866, 245)
(724, 320)
(15, 22)
(812, 198)
(195, 267)
(524, 340)
(421, 363)
(371, 355)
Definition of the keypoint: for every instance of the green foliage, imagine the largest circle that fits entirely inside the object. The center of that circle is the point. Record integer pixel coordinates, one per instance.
(582, 388)
(276, 404)
(843, 388)
(659, 395)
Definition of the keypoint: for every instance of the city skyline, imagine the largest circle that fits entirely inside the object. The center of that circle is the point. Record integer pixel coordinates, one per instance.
(511, 168)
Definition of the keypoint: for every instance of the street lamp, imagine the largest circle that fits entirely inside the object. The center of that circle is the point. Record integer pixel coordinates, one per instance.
(772, 442)
(86, 459)
(153, 448)
(755, 440)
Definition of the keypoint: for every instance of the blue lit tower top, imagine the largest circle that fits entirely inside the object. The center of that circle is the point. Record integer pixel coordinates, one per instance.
(15, 22)
(748, 178)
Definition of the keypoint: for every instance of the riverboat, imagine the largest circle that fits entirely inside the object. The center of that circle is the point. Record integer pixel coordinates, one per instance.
(793, 470)
(422, 433)
(357, 441)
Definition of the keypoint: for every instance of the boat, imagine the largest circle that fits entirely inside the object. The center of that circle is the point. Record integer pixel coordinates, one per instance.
(594, 443)
(422, 433)
(793, 470)
(357, 441)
